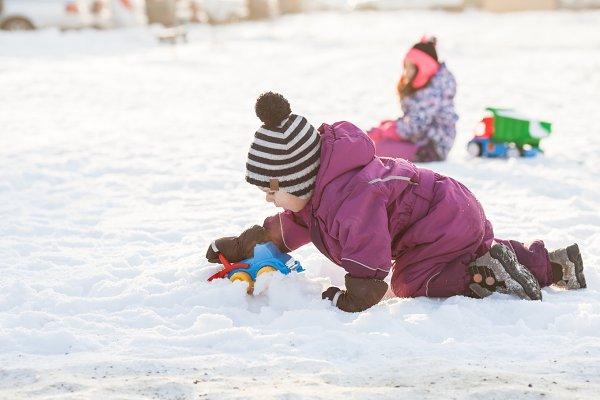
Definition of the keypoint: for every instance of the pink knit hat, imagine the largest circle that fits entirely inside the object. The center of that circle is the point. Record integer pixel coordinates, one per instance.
(424, 56)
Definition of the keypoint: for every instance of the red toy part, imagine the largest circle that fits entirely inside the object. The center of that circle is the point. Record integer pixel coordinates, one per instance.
(486, 128)
(227, 268)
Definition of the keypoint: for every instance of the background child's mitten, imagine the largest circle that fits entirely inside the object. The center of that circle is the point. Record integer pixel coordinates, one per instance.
(237, 248)
(360, 294)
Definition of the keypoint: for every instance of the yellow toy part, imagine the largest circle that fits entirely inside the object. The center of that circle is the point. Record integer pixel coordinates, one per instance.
(245, 277)
(265, 269)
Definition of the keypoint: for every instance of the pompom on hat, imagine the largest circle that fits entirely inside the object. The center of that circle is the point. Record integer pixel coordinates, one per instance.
(286, 150)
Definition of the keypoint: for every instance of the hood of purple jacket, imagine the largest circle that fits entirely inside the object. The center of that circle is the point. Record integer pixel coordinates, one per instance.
(348, 215)
(344, 147)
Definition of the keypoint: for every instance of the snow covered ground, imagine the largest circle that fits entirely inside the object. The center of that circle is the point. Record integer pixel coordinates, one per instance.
(121, 159)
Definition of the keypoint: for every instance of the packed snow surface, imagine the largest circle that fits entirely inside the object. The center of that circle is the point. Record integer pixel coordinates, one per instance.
(121, 159)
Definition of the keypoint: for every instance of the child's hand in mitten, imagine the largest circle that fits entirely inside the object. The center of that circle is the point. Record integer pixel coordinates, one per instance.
(360, 294)
(331, 294)
(237, 248)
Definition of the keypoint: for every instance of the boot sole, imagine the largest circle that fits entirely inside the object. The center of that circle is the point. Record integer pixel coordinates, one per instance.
(574, 256)
(517, 272)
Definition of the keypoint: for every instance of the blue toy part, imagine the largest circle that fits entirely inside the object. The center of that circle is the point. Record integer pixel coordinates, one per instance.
(484, 147)
(268, 255)
(532, 152)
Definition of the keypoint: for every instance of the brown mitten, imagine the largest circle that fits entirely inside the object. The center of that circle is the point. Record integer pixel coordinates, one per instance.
(237, 248)
(360, 294)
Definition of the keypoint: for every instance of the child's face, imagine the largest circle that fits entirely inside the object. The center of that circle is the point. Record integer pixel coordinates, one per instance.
(284, 200)
(410, 70)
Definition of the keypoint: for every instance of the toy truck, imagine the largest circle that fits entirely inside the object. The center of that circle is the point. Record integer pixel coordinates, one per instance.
(506, 133)
(267, 258)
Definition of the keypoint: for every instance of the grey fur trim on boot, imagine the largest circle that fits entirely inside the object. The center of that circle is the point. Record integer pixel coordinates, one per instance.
(499, 271)
(572, 267)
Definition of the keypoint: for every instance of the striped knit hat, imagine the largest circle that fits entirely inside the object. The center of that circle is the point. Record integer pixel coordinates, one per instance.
(286, 150)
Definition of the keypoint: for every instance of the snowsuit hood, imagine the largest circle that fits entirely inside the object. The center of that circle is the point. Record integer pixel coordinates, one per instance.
(344, 148)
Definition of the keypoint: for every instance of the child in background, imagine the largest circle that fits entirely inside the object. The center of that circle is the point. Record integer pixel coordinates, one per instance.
(427, 129)
(374, 215)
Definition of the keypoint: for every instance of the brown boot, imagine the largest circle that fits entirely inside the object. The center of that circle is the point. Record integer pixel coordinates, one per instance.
(567, 266)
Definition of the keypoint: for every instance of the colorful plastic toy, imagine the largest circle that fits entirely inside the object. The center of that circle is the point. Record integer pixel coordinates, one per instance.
(506, 133)
(267, 258)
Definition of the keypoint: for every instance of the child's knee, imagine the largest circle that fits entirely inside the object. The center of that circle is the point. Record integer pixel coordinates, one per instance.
(400, 285)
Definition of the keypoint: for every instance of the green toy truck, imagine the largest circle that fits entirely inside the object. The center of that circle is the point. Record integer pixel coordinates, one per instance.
(506, 133)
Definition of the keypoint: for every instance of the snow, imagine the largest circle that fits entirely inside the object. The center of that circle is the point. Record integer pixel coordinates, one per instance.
(121, 159)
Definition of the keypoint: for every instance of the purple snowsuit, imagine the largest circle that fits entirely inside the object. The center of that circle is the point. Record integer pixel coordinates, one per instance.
(367, 211)
(429, 118)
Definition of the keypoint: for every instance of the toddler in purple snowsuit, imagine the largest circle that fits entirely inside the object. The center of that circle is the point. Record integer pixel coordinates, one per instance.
(373, 216)
(427, 128)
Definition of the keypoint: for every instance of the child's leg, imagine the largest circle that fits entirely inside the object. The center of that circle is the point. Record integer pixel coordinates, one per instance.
(389, 144)
(454, 278)
(534, 257)
(385, 130)
(438, 280)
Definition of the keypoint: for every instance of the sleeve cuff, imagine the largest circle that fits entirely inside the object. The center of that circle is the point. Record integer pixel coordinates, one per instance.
(336, 297)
